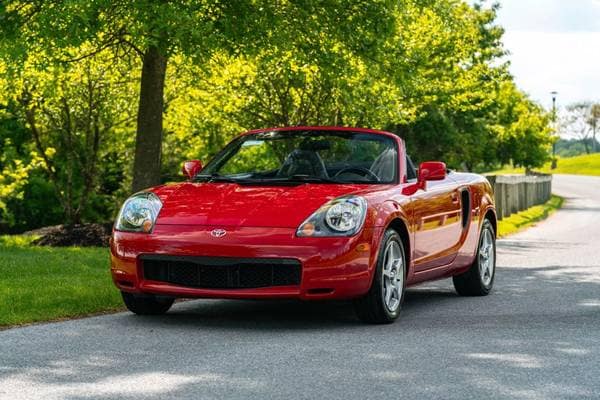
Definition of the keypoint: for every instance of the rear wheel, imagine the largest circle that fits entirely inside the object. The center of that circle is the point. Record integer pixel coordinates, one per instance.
(382, 303)
(147, 304)
(479, 279)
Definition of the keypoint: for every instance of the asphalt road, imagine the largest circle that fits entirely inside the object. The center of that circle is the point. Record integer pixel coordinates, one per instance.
(536, 337)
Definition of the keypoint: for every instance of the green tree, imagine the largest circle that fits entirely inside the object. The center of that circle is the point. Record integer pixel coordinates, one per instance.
(580, 122)
(453, 52)
(522, 129)
(594, 122)
(155, 30)
(71, 112)
(175, 79)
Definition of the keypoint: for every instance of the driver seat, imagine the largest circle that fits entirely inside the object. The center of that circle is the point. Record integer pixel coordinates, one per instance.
(303, 162)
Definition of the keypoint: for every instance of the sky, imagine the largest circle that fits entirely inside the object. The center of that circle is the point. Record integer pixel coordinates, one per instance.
(554, 45)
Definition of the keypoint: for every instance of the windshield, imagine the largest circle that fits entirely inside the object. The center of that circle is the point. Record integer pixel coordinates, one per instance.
(310, 156)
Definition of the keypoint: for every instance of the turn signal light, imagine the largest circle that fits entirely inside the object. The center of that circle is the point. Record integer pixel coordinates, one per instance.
(147, 226)
(362, 247)
(308, 229)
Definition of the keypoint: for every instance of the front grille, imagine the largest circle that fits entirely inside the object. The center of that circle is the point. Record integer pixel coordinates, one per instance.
(221, 272)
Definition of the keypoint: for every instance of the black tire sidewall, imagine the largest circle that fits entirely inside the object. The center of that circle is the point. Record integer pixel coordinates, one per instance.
(147, 304)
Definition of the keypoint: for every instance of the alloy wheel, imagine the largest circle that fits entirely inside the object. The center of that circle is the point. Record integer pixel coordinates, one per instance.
(487, 258)
(393, 276)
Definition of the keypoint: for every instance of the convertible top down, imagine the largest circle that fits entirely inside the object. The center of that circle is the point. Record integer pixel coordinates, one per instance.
(307, 213)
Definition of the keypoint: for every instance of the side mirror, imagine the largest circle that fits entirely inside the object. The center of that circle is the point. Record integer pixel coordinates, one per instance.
(432, 171)
(191, 168)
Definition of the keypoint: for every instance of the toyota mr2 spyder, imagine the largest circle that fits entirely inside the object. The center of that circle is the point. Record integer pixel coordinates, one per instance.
(310, 213)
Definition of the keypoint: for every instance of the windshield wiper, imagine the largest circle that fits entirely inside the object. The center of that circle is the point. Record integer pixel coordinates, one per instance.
(217, 178)
(301, 178)
(292, 179)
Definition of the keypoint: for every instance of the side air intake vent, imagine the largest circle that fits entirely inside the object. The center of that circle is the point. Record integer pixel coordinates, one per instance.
(465, 201)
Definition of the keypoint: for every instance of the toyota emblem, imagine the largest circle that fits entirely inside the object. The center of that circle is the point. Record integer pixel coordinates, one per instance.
(218, 233)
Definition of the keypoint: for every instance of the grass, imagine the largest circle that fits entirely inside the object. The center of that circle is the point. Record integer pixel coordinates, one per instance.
(526, 218)
(588, 164)
(46, 283)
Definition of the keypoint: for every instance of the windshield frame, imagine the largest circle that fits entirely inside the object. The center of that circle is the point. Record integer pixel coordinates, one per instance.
(226, 152)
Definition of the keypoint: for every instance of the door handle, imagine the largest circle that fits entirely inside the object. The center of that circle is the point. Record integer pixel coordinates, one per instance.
(454, 198)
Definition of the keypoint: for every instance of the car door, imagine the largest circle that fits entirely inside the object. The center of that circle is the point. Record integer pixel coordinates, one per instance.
(437, 223)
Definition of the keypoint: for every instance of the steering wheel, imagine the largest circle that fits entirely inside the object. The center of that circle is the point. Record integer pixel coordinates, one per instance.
(360, 170)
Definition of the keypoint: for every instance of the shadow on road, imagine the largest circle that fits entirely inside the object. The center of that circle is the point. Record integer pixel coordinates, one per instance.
(279, 315)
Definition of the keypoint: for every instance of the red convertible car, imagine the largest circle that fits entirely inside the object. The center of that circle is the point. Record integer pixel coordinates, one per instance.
(310, 213)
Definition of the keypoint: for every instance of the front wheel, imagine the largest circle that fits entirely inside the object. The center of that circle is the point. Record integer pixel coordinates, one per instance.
(381, 305)
(147, 304)
(479, 279)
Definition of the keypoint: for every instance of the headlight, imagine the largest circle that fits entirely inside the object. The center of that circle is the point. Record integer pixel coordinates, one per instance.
(343, 216)
(139, 213)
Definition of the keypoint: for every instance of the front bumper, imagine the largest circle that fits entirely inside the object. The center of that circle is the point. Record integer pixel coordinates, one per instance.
(331, 268)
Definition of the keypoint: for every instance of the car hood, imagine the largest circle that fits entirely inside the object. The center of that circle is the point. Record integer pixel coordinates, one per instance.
(232, 205)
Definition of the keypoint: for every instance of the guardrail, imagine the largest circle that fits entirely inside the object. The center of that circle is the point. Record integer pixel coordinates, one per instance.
(516, 193)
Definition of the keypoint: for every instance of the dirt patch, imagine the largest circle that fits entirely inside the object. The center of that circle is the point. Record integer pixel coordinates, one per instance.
(86, 235)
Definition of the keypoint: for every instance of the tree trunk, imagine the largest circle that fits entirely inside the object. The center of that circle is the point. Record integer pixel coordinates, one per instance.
(148, 139)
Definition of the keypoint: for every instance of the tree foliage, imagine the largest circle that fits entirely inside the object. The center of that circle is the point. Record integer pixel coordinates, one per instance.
(96, 94)
(582, 121)
(156, 30)
(73, 116)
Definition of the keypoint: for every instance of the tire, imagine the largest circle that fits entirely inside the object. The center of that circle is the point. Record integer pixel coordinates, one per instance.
(479, 279)
(381, 305)
(147, 304)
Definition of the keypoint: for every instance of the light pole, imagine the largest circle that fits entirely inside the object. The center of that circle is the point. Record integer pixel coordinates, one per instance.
(554, 93)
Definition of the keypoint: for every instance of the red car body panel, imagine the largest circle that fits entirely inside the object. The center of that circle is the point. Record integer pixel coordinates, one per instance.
(227, 205)
(441, 233)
